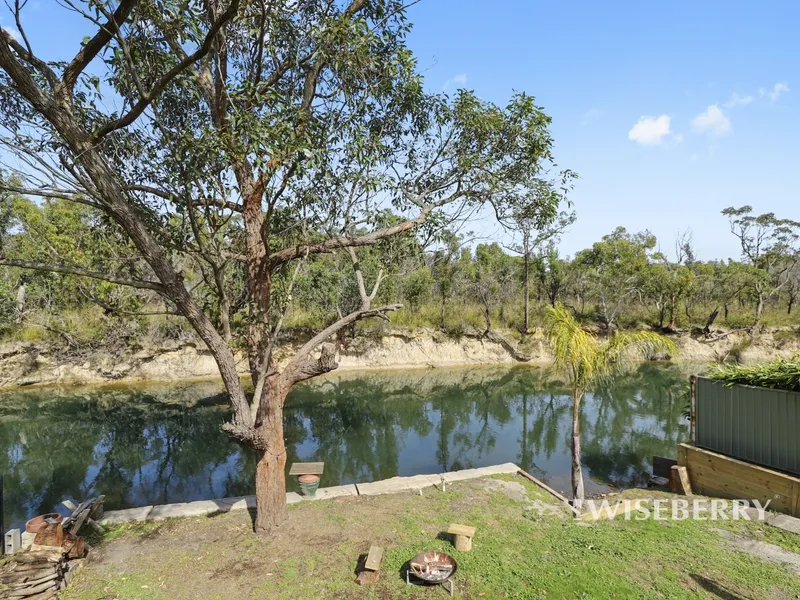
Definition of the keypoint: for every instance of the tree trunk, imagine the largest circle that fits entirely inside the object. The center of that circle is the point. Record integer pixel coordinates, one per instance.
(672, 313)
(759, 304)
(441, 313)
(21, 303)
(789, 307)
(577, 475)
(224, 305)
(487, 316)
(271, 510)
(527, 324)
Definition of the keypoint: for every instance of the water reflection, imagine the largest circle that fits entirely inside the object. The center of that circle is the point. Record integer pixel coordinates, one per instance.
(153, 445)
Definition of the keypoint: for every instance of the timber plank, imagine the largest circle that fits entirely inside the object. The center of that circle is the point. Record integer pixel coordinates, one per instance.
(679, 480)
(727, 466)
(457, 529)
(311, 468)
(719, 475)
(374, 558)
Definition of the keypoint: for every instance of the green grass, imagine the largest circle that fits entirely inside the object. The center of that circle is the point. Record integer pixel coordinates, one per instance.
(516, 553)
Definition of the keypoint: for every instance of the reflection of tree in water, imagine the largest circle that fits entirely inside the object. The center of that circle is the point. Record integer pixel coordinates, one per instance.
(145, 446)
(359, 428)
(126, 444)
(542, 405)
(638, 416)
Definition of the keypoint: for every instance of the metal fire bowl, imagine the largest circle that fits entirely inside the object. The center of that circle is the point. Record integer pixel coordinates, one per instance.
(433, 557)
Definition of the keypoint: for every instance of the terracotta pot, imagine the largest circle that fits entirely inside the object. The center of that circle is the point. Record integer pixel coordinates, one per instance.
(309, 484)
(36, 523)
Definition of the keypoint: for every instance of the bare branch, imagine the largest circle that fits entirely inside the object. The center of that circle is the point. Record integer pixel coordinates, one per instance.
(72, 270)
(23, 53)
(53, 193)
(169, 196)
(368, 239)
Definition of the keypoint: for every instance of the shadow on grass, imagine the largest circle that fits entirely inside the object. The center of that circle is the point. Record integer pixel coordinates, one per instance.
(714, 588)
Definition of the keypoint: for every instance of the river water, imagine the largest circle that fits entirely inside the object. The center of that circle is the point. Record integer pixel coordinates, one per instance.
(142, 445)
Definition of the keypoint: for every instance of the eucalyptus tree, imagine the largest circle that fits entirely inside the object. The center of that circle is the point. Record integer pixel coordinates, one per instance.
(248, 136)
(617, 269)
(448, 269)
(534, 235)
(491, 278)
(769, 244)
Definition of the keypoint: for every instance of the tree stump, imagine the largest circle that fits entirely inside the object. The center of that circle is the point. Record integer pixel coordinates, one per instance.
(462, 535)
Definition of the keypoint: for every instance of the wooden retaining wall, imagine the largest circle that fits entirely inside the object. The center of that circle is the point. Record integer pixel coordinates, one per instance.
(713, 474)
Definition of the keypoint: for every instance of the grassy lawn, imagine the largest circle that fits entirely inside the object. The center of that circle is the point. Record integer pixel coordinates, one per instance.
(518, 552)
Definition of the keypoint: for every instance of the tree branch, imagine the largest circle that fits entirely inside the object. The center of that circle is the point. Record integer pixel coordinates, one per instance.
(169, 196)
(162, 83)
(54, 193)
(303, 367)
(368, 239)
(94, 46)
(26, 55)
(70, 270)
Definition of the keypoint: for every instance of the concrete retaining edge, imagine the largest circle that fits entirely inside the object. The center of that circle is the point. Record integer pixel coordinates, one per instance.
(387, 486)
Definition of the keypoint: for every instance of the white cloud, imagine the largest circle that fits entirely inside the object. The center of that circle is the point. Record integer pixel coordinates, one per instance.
(737, 100)
(774, 94)
(457, 81)
(590, 115)
(713, 120)
(650, 131)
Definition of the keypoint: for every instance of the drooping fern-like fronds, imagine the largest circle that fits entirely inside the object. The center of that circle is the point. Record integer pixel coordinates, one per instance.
(586, 360)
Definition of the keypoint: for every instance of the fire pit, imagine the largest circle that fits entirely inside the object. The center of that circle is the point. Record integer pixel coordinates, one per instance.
(432, 568)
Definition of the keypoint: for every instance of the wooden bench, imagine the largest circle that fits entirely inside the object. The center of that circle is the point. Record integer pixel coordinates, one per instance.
(311, 468)
(372, 566)
(463, 535)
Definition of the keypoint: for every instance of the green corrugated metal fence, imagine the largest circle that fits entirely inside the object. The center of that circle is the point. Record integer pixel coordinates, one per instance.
(755, 424)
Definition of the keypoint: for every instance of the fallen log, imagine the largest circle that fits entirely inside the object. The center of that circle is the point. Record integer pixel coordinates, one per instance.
(36, 556)
(34, 582)
(30, 591)
(49, 595)
(26, 575)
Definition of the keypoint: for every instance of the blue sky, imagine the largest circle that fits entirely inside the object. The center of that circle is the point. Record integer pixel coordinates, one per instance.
(641, 95)
(598, 68)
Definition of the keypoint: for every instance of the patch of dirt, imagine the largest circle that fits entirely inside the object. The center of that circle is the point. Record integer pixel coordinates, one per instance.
(201, 557)
(512, 489)
(517, 491)
(763, 550)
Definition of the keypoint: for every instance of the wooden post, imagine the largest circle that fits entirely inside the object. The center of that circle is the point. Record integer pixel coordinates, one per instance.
(463, 535)
(679, 480)
(693, 409)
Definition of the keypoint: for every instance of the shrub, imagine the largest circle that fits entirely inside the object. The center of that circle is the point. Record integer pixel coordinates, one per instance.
(779, 374)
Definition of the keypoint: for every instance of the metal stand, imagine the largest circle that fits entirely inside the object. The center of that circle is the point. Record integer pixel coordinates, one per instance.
(451, 588)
